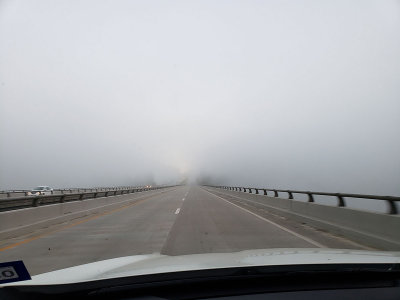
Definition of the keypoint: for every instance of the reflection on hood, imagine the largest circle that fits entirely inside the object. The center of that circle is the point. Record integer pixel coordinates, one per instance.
(157, 263)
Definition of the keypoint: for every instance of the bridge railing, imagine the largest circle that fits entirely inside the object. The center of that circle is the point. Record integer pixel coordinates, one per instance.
(12, 203)
(20, 193)
(391, 200)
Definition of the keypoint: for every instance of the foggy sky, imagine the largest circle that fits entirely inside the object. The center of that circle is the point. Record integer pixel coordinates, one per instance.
(279, 94)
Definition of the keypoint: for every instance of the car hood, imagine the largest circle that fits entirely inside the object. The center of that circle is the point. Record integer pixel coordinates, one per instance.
(158, 263)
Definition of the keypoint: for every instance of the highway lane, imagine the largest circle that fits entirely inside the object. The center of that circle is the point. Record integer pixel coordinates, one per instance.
(210, 224)
(135, 229)
(184, 220)
(255, 204)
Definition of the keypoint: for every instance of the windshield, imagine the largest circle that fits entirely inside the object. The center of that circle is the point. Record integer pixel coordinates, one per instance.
(39, 188)
(177, 128)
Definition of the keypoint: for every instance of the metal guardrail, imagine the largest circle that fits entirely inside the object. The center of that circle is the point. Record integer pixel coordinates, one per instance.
(391, 200)
(13, 203)
(16, 193)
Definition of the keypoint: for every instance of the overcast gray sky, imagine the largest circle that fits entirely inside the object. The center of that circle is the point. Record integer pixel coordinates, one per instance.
(283, 94)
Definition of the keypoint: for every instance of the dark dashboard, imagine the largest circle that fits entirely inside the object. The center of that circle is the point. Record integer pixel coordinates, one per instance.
(333, 281)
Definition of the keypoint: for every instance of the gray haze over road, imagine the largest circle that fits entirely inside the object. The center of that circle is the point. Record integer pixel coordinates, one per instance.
(284, 94)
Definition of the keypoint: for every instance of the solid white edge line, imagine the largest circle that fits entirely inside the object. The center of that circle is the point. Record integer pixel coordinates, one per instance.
(263, 204)
(177, 211)
(273, 223)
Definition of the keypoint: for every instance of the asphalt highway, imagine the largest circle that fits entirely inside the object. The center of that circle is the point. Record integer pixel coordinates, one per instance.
(178, 221)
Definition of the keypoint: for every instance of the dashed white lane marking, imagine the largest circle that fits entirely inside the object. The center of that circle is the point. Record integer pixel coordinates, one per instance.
(183, 199)
(177, 211)
(273, 223)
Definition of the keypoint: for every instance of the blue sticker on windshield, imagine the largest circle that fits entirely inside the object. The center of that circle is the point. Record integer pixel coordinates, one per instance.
(13, 271)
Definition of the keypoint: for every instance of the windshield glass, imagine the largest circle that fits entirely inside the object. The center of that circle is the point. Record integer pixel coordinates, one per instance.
(197, 127)
(39, 188)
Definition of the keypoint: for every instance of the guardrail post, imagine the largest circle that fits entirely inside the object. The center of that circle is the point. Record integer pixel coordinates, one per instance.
(81, 196)
(393, 207)
(244, 190)
(290, 194)
(256, 191)
(62, 198)
(276, 193)
(341, 202)
(310, 197)
(36, 202)
(265, 192)
(250, 191)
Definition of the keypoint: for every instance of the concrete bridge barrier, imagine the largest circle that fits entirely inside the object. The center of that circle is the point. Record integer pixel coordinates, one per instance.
(22, 221)
(378, 230)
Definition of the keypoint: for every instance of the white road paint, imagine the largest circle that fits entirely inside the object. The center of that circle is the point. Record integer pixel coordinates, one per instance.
(183, 199)
(177, 211)
(273, 223)
(263, 204)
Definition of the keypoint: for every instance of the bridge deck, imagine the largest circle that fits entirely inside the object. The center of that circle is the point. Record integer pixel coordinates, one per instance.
(182, 220)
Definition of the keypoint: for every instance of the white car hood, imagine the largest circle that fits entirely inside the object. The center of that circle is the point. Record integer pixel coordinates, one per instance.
(157, 263)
